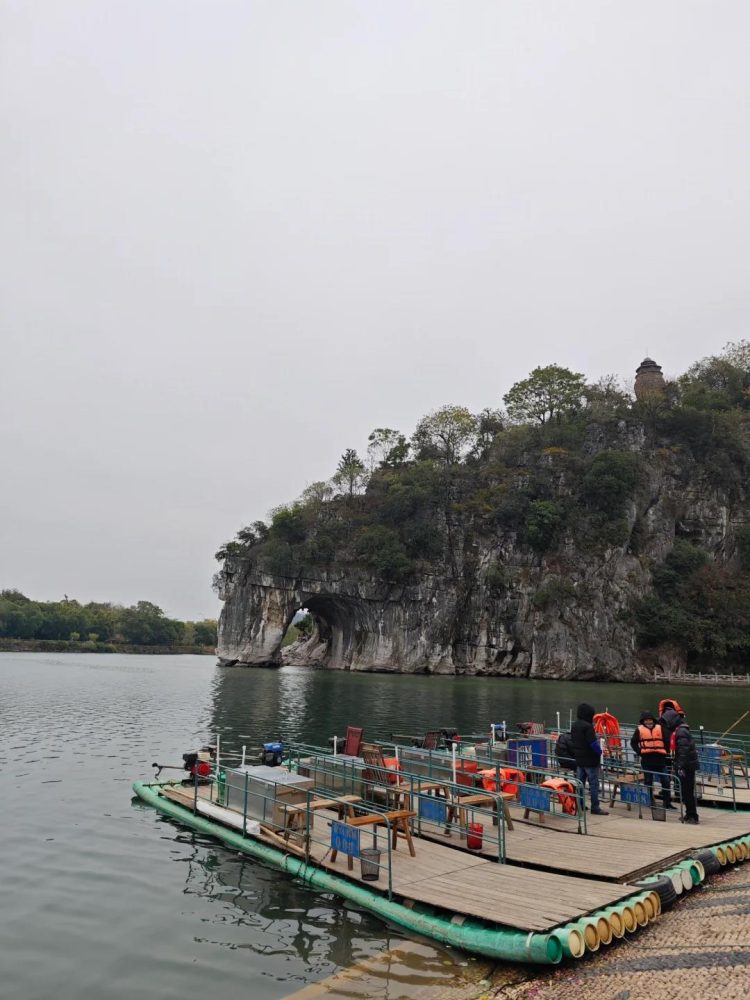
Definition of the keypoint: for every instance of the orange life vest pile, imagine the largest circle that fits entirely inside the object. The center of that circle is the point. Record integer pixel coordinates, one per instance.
(566, 793)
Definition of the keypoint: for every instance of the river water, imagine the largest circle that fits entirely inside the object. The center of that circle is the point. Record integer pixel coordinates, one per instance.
(102, 897)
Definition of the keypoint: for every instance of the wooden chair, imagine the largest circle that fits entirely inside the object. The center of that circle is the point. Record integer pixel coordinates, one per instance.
(353, 742)
(350, 743)
(380, 780)
(431, 740)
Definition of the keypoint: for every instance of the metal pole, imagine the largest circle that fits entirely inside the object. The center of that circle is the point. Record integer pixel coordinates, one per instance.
(244, 807)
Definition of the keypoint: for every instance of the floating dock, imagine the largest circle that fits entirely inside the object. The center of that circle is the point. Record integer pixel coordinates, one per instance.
(558, 895)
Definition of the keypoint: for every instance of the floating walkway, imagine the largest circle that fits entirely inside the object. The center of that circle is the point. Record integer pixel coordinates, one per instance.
(502, 911)
(619, 847)
(534, 887)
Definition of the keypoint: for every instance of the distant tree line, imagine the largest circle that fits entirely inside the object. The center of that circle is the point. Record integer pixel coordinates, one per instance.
(142, 624)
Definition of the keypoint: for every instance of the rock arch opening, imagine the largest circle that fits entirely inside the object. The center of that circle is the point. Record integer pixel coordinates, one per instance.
(337, 629)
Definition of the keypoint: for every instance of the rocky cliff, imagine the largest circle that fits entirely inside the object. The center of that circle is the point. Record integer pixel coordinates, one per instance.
(495, 599)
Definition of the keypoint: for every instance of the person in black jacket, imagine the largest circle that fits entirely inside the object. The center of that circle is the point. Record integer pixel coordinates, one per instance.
(588, 754)
(686, 763)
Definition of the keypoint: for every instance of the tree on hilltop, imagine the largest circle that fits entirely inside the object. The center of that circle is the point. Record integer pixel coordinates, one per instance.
(387, 448)
(350, 473)
(545, 395)
(448, 433)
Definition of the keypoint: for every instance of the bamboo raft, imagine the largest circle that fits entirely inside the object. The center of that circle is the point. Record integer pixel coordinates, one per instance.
(558, 894)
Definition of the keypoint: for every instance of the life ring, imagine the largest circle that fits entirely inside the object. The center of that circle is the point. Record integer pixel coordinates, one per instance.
(607, 725)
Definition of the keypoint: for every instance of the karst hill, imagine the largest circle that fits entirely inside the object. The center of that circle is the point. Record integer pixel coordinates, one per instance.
(583, 532)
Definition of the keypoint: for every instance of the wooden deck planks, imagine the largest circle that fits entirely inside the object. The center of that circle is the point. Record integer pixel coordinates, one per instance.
(618, 847)
(522, 898)
(720, 795)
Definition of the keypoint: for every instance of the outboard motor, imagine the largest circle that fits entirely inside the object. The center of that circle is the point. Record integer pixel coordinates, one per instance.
(198, 763)
(273, 753)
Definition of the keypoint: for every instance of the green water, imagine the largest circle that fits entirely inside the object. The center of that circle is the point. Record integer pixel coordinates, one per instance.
(102, 897)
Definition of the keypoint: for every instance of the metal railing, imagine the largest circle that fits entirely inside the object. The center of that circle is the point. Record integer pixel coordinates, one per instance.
(437, 801)
(438, 765)
(279, 820)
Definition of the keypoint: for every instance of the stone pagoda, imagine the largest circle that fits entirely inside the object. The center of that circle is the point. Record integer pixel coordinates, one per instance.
(649, 381)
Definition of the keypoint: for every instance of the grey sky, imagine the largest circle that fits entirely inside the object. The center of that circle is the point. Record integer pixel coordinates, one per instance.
(236, 236)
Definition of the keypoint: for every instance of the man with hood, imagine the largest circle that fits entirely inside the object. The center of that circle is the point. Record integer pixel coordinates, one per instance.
(588, 754)
(686, 763)
(669, 719)
(650, 742)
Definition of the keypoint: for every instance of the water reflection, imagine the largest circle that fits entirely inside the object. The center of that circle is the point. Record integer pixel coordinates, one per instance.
(253, 705)
(281, 919)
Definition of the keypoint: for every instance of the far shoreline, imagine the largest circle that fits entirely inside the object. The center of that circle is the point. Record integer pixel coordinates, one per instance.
(69, 646)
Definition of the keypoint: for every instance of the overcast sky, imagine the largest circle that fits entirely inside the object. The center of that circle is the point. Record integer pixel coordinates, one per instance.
(237, 236)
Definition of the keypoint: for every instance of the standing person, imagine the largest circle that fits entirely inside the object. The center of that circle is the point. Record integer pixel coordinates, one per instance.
(670, 714)
(588, 754)
(669, 720)
(685, 754)
(650, 744)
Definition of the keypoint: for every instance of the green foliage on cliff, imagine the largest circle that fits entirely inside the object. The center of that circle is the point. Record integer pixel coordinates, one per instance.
(698, 606)
(143, 624)
(569, 470)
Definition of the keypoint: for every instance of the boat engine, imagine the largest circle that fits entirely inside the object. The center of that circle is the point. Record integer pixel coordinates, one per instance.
(273, 753)
(198, 763)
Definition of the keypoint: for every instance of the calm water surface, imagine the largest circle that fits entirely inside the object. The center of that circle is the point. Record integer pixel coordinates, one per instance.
(101, 897)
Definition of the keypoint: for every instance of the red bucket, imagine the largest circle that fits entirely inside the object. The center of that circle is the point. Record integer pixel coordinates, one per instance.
(474, 836)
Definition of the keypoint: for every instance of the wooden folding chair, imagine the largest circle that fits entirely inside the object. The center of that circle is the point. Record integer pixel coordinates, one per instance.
(353, 742)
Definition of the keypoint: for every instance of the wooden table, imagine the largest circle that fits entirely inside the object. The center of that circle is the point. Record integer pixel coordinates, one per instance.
(397, 818)
(491, 799)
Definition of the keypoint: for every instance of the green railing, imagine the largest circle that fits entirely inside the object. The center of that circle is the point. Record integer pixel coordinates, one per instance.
(436, 800)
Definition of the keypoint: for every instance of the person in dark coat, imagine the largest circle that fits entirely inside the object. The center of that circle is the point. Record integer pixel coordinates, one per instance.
(650, 742)
(588, 754)
(686, 762)
(669, 721)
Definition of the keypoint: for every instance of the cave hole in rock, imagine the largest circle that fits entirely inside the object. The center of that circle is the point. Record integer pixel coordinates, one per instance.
(325, 627)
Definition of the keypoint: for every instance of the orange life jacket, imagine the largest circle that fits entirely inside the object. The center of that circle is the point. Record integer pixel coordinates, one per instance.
(565, 793)
(651, 740)
(510, 778)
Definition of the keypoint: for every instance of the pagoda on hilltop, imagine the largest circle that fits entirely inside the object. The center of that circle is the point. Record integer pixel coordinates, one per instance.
(649, 381)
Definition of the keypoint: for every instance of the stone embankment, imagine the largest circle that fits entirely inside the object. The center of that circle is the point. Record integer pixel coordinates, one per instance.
(700, 949)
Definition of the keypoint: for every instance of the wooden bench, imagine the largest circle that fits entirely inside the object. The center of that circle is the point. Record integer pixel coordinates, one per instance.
(295, 815)
(399, 822)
